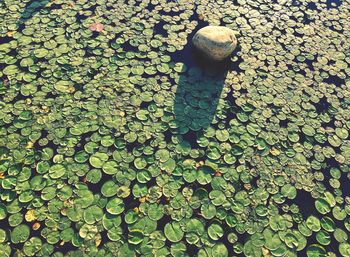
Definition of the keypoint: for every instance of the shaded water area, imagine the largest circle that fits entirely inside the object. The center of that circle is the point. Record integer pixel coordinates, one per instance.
(32, 7)
(197, 96)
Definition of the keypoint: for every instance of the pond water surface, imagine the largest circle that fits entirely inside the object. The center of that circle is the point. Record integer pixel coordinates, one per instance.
(118, 139)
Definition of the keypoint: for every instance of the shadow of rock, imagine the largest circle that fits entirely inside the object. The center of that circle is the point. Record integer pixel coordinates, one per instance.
(198, 92)
(32, 8)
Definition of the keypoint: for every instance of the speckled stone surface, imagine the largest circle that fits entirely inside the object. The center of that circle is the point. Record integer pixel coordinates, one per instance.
(216, 42)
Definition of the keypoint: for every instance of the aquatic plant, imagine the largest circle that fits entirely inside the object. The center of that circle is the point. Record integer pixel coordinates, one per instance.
(114, 141)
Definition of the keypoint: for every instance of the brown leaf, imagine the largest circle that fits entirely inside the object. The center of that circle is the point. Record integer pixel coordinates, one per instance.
(36, 226)
(98, 27)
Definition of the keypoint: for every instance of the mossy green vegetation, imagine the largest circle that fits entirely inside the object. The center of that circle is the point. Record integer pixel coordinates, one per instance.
(113, 142)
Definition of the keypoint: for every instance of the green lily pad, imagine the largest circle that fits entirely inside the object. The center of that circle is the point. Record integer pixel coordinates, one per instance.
(115, 206)
(322, 206)
(215, 231)
(93, 214)
(173, 232)
(315, 251)
(323, 237)
(3, 211)
(109, 189)
(57, 171)
(344, 249)
(313, 223)
(32, 246)
(98, 159)
(135, 237)
(140, 163)
(20, 234)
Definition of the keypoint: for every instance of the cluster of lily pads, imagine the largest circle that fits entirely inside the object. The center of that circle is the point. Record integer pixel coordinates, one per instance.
(115, 142)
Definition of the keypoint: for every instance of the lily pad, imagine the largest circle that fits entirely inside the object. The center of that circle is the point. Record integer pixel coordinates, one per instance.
(20, 234)
(173, 232)
(115, 206)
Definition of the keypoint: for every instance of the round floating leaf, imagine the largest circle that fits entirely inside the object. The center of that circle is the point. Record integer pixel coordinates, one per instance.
(94, 176)
(327, 224)
(20, 234)
(340, 235)
(93, 214)
(126, 250)
(344, 249)
(135, 237)
(208, 211)
(222, 135)
(131, 217)
(109, 189)
(163, 155)
(57, 171)
(3, 211)
(322, 206)
(219, 250)
(5, 251)
(155, 212)
(53, 237)
(323, 238)
(85, 198)
(86, 231)
(32, 246)
(3, 235)
(67, 234)
(338, 213)
(110, 167)
(110, 221)
(251, 250)
(40, 52)
(334, 140)
(217, 196)
(215, 231)
(173, 232)
(313, 223)
(315, 251)
(308, 130)
(140, 163)
(115, 206)
(15, 219)
(204, 175)
(143, 176)
(289, 191)
(11, 70)
(98, 159)
(63, 86)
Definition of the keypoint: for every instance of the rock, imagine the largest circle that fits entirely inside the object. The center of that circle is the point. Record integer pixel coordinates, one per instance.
(216, 42)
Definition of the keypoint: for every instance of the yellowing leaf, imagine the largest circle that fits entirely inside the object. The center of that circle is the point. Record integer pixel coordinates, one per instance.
(142, 199)
(36, 226)
(266, 252)
(29, 145)
(97, 241)
(10, 33)
(274, 151)
(30, 215)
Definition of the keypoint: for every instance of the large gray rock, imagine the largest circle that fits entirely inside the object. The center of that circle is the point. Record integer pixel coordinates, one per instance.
(216, 42)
